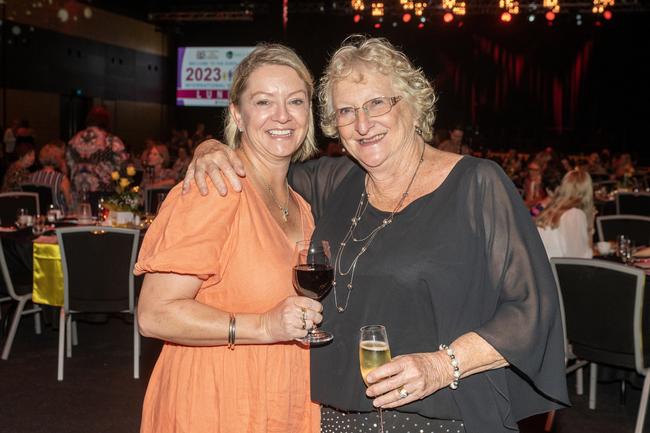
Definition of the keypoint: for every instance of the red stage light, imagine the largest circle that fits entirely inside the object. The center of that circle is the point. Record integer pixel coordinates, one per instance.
(448, 17)
(421, 26)
(377, 25)
(357, 18)
(607, 15)
(406, 18)
(506, 17)
(550, 16)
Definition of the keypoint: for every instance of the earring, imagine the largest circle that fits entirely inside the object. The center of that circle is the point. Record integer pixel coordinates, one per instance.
(418, 130)
(240, 129)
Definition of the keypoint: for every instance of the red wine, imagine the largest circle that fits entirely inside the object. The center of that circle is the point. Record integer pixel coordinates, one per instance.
(313, 281)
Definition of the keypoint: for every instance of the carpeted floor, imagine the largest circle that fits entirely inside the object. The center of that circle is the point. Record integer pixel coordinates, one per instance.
(99, 394)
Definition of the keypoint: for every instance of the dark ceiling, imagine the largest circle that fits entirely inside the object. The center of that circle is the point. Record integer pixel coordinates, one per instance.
(152, 10)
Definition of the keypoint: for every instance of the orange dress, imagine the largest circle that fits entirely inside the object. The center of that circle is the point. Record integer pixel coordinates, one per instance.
(244, 259)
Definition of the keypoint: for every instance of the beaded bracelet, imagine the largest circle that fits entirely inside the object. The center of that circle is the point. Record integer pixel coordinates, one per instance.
(231, 332)
(454, 364)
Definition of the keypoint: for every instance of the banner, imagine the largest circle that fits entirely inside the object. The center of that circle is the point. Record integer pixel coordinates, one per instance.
(204, 74)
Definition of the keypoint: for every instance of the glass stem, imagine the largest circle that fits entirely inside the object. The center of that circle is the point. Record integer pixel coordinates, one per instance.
(381, 420)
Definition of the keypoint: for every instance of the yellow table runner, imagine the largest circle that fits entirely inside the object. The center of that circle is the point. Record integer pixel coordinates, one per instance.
(48, 275)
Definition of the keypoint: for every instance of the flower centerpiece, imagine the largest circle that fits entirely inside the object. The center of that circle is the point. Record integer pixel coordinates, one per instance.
(127, 198)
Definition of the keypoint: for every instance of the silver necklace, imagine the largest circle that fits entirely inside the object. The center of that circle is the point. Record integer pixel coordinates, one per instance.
(283, 208)
(358, 214)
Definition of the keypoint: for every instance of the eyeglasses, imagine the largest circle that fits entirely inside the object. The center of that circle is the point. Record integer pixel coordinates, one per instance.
(373, 108)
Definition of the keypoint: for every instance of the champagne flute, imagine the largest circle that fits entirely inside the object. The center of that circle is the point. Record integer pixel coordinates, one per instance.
(312, 277)
(374, 352)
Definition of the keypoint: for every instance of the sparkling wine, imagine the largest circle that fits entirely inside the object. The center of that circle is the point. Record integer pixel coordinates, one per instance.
(372, 354)
(313, 281)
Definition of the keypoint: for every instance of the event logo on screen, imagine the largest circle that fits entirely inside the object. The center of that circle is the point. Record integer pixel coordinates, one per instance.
(204, 74)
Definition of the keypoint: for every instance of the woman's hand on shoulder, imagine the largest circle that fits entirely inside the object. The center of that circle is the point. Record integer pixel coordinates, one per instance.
(216, 160)
(292, 318)
(419, 374)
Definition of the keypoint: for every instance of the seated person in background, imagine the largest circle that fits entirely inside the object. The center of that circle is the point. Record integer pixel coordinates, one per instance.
(551, 180)
(156, 175)
(182, 161)
(52, 158)
(533, 187)
(455, 143)
(567, 224)
(18, 171)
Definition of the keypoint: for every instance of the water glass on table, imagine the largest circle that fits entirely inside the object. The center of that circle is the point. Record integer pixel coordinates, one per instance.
(39, 225)
(23, 218)
(85, 215)
(624, 248)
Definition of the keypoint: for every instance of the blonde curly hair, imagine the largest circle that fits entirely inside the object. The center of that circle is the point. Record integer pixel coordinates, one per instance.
(270, 54)
(380, 55)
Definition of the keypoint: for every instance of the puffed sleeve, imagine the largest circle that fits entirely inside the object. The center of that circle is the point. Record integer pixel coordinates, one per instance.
(189, 234)
(525, 327)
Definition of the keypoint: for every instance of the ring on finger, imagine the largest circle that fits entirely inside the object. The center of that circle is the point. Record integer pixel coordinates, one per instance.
(304, 323)
(403, 393)
(304, 314)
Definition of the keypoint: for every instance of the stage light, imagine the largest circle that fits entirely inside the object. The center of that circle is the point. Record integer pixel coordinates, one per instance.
(357, 18)
(448, 17)
(531, 18)
(423, 20)
(377, 25)
(607, 15)
(550, 16)
(406, 18)
(506, 17)
(421, 26)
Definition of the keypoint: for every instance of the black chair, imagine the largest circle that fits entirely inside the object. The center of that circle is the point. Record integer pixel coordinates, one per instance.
(98, 278)
(17, 288)
(635, 227)
(633, 203)
(10, 202)
(45, 194)
(604, 308)
(153, 197)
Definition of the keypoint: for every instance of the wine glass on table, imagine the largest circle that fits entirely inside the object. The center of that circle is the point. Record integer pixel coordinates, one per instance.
(312, 277)
(374, 352)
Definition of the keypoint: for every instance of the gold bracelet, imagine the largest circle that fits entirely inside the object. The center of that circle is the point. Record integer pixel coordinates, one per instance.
(231, 331)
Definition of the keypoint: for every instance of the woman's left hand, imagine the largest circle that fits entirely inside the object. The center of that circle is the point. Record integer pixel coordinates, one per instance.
(408, 378)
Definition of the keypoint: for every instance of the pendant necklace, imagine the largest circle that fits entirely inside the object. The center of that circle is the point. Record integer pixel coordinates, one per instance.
(367, 240)
(283, 208)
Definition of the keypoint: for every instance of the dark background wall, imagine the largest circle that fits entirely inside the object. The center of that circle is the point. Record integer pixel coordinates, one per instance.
(523, 85)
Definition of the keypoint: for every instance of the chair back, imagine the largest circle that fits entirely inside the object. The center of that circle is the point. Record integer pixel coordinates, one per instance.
(603, 304)
(153, 197)
(635, 227)
(45, 194)
(97, 267)
(633, 203)
(10, 202)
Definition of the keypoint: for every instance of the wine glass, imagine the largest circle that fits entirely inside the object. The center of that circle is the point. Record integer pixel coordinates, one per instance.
(374, 352)
(312, 277)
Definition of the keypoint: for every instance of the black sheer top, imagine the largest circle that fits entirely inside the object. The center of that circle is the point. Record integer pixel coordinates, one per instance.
(466, 257)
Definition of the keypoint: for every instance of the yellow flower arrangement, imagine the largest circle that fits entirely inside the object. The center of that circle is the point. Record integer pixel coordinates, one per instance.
(127, 196)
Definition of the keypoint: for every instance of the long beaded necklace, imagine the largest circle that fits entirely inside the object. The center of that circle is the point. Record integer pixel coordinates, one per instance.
(358, 214)
(283, 208)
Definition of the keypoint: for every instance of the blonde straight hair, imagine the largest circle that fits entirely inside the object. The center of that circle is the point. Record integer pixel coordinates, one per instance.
(575, 191)
(270, 54)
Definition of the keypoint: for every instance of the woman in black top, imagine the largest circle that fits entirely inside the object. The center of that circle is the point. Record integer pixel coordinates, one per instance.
(438, 248)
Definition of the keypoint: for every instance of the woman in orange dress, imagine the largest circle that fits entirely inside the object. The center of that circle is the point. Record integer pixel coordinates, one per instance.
(218, 285)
